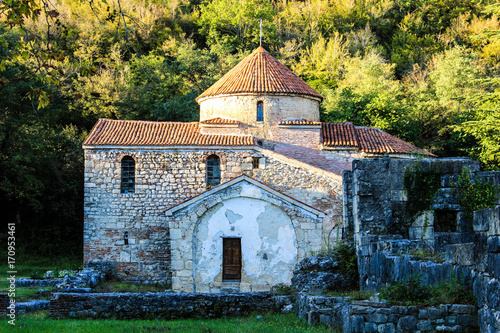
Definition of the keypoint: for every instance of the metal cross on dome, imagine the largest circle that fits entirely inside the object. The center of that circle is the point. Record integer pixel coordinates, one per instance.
(260, 43)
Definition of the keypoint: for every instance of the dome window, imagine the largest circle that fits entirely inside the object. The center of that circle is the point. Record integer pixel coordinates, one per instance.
(260, 111)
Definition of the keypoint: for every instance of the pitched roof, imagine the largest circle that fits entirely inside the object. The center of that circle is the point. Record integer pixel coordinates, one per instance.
(366, 139)
(298, 122)
(152, 133)
(260, 72)
(219, 121)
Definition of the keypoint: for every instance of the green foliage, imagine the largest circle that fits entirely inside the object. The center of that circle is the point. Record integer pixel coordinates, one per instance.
(412, 291)
(348, 263)
(284, 289)
(426, 255)
(37, 275)
(421, 187)
(235, 24)
(279, 323)
(475, 195)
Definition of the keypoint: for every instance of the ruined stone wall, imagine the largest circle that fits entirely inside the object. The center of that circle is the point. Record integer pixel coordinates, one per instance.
(165, 178)
(244, 108)
(364, 316)
(378, 195)
(158, 305)
(384, 242)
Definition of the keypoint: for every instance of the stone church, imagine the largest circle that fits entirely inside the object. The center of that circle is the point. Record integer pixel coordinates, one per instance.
(232, 202)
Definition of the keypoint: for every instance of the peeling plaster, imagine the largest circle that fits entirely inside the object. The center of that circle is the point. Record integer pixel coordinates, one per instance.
(268, 242)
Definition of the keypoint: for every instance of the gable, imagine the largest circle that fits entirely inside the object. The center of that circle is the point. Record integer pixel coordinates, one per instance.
(251, 189)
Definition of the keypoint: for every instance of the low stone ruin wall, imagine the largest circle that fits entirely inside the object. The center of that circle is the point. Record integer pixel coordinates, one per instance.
(363, 316)
(158, 305)
(477, 264)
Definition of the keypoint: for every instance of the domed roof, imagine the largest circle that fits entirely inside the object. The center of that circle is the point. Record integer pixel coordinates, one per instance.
(260, 73)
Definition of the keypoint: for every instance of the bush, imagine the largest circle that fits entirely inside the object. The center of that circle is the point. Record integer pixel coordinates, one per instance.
(348, 263)
(411, 291)
(284, 289)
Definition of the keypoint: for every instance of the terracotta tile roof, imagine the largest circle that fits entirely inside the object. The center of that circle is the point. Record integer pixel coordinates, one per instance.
(219, 121)
(366, 139)
(151, 133)
(298, 122)
(260, 72)
(338, 134)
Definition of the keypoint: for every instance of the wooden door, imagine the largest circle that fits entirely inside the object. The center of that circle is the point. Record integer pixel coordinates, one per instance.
(231, 259)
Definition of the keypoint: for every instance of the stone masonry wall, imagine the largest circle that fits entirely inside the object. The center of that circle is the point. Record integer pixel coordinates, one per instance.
(244, 109)
(383, 247)
(158, 305)
(364, 316)
(165, 178)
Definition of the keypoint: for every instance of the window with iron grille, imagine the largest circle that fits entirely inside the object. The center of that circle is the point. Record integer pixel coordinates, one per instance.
(128, 175)
(255, 162)
(213, 170)
(260, 111)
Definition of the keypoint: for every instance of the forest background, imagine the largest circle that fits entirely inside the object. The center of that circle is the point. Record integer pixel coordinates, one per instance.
(426, 71)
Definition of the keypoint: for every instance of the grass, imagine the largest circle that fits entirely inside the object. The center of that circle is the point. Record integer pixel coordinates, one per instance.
(412, 291)
(26, 267)
(426, 255)
(279, 323)
(356, 295)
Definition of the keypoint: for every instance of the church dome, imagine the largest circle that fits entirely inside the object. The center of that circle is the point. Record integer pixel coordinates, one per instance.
(260, 73)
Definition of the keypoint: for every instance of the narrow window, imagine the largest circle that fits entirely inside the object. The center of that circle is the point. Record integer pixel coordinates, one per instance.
(231, 259)
(446, 221)
(213, 170)
(128, 175)
(125, 238)
(260, 111)
(255, 163)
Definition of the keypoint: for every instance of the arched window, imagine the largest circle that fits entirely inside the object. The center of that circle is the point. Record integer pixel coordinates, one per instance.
(128, 175)
(260, 111)
(213, 170)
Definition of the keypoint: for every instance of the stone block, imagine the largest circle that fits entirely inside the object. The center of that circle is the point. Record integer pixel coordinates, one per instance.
(493, 294)
(357, 323)
(399, 310)
(377, 318)
(461, 309)
(494, 244)
(445, 328)
(408, 323)
(370, 327)
(467, 320)
(424, 326)
(423, 314)
(434, 313)
(494, 264)
(387, 328)
(363, 189)
(481, 220)
(460, 254)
